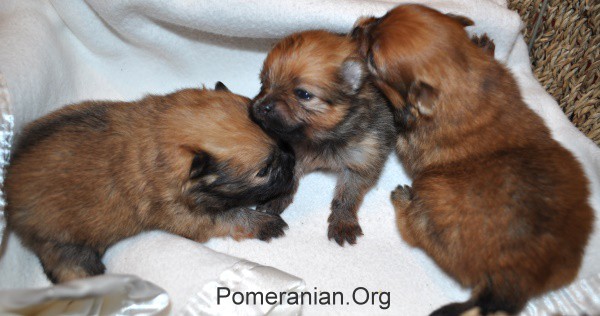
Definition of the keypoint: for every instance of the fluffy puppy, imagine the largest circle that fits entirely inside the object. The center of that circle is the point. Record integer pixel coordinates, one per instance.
(497, 203)
(91, 174)
(316, 95)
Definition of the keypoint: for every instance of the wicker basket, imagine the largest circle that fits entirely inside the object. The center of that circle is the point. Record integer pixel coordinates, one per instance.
(565, 55)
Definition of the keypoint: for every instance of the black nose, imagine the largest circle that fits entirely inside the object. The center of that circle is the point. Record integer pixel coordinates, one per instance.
(263, 108)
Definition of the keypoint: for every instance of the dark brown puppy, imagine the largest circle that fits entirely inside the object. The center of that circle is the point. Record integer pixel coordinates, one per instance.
(316, 95)
(91, 174)
(497, 203)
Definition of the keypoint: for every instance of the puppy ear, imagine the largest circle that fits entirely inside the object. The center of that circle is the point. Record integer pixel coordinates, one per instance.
(362, 25)
(423, 97)
(360, 31)
(464, 21)
(353, 72)
(219, 86)
(199, 164)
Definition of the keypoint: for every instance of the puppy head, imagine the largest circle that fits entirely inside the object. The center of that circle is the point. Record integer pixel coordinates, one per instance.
(225, 160)
(308, 82)
(412, 52)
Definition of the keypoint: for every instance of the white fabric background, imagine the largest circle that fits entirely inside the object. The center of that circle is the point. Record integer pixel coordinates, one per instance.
(59, 51)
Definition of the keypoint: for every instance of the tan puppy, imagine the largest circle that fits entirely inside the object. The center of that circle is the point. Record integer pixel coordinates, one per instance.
(91, 174)
(497, 203)
(317, 96)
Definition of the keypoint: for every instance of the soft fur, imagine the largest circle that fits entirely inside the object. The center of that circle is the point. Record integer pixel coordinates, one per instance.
(497, 203)
(91, 174)
(317, 96)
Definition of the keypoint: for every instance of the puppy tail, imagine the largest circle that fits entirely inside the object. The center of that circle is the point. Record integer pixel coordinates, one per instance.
(488, 300)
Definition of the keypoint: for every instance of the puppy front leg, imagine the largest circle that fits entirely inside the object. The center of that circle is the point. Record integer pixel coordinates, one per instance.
(411, 221)
(349, 193)
(239, 223)
(245, 223)
(402, 200)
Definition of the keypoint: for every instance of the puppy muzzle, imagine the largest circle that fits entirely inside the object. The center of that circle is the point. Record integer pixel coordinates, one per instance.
(262, 109)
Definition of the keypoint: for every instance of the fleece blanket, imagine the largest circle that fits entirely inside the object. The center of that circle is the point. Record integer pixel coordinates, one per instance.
(55, 52)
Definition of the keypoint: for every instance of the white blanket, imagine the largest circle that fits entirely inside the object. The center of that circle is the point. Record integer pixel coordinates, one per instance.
(56, 52)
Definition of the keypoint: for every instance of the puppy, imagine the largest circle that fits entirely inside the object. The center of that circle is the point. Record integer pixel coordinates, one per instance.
(497, 203)
(91, 174)
(317, 96)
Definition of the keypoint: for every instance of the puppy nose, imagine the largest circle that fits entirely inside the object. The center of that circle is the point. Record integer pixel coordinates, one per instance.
(264, 108)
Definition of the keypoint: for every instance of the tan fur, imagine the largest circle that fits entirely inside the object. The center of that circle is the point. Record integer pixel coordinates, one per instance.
(345, 127)
(225, 134)
(309, 60)
(91, 174)
(497, 203)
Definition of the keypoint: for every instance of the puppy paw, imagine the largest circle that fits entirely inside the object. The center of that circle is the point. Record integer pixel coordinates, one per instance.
(485, 43)
(344, 231)
(271, 227)
(401, 196)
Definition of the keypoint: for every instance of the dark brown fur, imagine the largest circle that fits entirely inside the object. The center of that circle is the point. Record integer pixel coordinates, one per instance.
(498, 204)
(91, 174)
(345, 127)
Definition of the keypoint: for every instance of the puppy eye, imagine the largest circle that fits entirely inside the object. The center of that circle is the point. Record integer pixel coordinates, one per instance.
(303, 94)
(264, 171)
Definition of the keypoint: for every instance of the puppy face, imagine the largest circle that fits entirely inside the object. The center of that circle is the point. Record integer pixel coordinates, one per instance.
(308, 80)
(214, 186)
(411, 52)
(226, 160)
